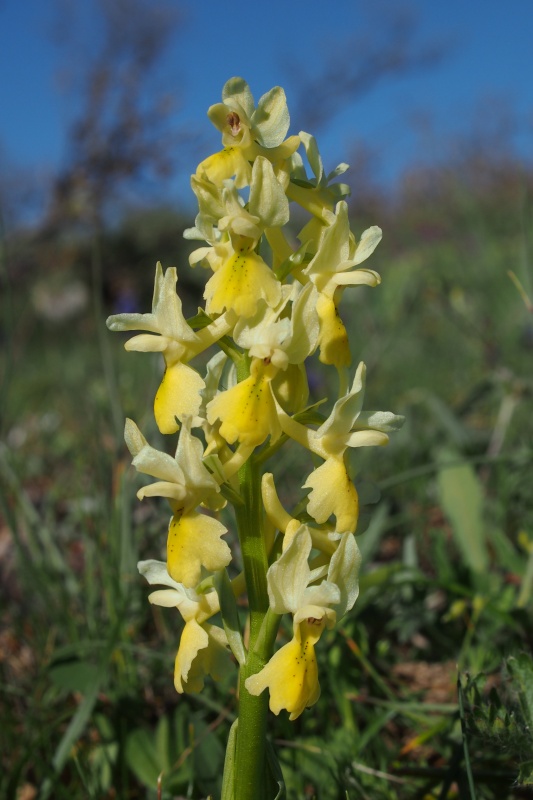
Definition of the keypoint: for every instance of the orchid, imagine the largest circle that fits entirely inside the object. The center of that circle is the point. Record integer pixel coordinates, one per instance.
(292, 675)
(184, 480)
(193, 539)
(203, 648)
(331, 270)
(169, 334)
(241, 277)
(248, 411)
(271, 307)
(248, 132)
(347, 426)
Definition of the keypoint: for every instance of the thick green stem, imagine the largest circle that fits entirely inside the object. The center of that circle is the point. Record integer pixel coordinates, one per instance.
(251, 735)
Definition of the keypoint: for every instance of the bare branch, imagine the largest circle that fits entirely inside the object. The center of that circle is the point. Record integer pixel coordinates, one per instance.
(122, 131)
(386, 49)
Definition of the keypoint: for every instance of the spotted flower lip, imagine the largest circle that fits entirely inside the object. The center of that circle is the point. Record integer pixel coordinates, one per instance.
(291, 675)
(239, 283)
(247, 411)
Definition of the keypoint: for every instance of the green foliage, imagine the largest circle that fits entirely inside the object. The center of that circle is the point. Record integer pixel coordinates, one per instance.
(461, 498)
(498, 715)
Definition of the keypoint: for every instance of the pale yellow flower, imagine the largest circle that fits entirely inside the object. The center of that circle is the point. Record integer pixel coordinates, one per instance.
(168, 333)
(347, 426)
(331, 270)
(203, 648)
(291, 675)
(183, 479)
(248, 132)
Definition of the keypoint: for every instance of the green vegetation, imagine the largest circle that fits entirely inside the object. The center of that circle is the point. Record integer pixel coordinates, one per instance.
(427, 691)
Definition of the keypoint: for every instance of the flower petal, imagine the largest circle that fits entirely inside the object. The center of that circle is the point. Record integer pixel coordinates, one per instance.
(333, 493)
(213, 659)
(344, 571)
(148, 460)
(291, 675)
(289, 575)
(193, 639)
(247, 410)
(194, 542)
(177, 396)
(333, 338)
(271, 118)
(156, 572)
(239, 283)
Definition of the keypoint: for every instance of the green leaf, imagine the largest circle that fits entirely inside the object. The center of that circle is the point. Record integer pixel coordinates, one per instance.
(162, 743)
(462, 500)
(75, 729)
(143, 758)
(73, 675)
(228, 781)
(77, 726)
(208, 757)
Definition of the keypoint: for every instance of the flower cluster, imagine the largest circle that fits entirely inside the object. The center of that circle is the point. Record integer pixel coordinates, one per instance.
(271, 302)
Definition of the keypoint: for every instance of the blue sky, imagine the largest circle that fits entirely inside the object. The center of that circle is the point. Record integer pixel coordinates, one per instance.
(489, 63)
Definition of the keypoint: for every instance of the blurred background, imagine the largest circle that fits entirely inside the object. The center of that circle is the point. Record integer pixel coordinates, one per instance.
(103, 119)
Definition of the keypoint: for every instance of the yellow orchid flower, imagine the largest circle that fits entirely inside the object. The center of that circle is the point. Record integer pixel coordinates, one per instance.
(248, 132)
(241, 278)
(168, 333)
(203, 648)
(284, 336)
(183, 479)
(331, 270)
(291, 675)
(332, 266)
(193, 539)
(346, 426)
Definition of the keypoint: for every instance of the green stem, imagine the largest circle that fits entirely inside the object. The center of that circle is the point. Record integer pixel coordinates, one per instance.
(251, 734)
